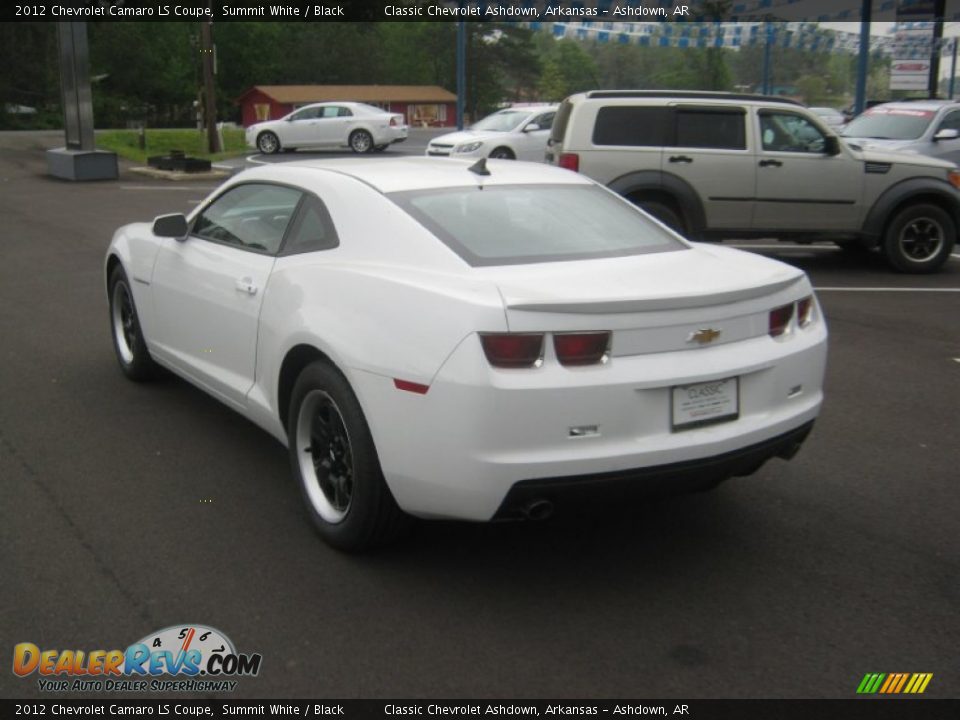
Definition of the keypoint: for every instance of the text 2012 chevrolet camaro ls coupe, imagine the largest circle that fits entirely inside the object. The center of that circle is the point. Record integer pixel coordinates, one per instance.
(447, 340)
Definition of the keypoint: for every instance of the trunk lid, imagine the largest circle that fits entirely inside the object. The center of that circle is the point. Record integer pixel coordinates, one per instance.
(653, 302)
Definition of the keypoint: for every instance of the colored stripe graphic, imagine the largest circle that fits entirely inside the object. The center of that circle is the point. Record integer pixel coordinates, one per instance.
(894, 683)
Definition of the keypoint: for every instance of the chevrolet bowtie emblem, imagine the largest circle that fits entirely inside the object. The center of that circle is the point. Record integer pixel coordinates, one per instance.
(704, 336)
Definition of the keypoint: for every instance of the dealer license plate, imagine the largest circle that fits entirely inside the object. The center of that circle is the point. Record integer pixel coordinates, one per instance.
(705, 403)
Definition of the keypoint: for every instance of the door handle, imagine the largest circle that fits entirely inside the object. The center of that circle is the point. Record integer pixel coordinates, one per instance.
(246, 285)
(680, 159)
(768, 163)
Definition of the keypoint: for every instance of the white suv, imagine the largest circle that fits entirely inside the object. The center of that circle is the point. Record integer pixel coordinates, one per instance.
(715, 165)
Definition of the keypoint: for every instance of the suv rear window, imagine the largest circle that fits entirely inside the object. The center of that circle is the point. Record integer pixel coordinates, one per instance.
(560, 122)
(634, 126)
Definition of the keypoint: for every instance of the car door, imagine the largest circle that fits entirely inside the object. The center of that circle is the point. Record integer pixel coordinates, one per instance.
(334, 124)
(708, 151)
(532, 143)
(208, 289)
(800, 185)
(301, 128)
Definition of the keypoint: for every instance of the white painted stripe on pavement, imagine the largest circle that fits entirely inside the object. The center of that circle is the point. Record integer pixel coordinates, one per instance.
(181, 188)
(887, 289)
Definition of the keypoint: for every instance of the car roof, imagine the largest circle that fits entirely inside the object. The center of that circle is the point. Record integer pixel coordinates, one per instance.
(388, 175)
(705, 95)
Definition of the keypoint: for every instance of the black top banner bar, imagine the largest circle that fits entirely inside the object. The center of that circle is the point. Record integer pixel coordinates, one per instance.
(603, 11)
(854, 709)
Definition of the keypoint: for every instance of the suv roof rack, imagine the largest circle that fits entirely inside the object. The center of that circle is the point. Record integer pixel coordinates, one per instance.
(688, 95)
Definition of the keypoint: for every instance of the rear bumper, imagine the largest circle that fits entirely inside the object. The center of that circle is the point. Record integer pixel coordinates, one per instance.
(460, 450)
(674, 478)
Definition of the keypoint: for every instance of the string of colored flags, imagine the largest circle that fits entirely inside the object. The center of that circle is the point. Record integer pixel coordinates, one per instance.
(797, 35)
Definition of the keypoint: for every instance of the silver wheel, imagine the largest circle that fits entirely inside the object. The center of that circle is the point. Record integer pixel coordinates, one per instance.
(124, 322)
(361, 141)
(325, 455)
(921, 239)
(268, 143)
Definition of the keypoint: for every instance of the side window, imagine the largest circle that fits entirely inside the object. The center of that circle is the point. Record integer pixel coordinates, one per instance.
(306, 114)
(252, 217)
(951, 121)
(331, 111)
(718, 129)
(313, 229)
(545, 121)
(786, 132)
(633, 126)
(344, 112)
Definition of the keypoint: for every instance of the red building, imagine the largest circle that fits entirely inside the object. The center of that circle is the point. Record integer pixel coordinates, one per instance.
(420, 104)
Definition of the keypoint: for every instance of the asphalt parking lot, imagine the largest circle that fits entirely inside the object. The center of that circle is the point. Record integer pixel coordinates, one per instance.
(129, 508)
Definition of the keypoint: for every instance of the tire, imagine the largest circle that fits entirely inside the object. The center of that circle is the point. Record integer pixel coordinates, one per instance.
(919, 239)
(268, 143)
(128, 342)
(665, 214)
(361, 142)
(342, 485)
(502, 153)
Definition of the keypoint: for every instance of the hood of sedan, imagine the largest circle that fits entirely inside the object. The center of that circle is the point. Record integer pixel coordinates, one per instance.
(894, 151)
(463, 136)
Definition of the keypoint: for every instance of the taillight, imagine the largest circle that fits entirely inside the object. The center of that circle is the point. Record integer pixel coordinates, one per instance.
(587, 348)
(570, 161)
(780, 320)
(513, 350)
(805, 311)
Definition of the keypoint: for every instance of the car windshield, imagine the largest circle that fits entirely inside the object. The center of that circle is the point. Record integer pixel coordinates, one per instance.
(503, 121)
(890, 124)
(516, 224)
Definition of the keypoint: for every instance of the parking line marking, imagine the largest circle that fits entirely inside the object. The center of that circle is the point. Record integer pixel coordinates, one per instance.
(182, 188)
(741, 246)
(887, 289)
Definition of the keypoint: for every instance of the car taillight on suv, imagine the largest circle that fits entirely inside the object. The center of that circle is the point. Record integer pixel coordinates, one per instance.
(570, 161)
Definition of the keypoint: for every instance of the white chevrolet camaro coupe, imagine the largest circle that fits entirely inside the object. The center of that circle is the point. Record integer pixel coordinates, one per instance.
(446, 340)
(360, 127)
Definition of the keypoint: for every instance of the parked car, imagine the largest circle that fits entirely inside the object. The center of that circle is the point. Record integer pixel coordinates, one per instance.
(360, 127)
(517, 133)
(723, 165)
(927, 127)
(470, 340)
(831, 117)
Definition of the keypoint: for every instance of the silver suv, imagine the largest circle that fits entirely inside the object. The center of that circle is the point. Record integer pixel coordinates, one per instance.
(716, 165)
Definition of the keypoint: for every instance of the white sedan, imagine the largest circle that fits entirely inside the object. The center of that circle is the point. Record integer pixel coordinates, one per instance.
(360, 127)
(515, 133)
(446, 340)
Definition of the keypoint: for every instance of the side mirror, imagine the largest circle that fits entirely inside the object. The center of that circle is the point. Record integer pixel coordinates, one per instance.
(831, 145)
(532, 127)
(174, 226)
(946, 134)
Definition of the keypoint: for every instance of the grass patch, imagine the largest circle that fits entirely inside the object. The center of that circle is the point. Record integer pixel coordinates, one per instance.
(125, 143)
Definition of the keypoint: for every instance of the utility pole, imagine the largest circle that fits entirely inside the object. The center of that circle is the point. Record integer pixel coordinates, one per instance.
(863, 60)
(209, 91)
(939, 10)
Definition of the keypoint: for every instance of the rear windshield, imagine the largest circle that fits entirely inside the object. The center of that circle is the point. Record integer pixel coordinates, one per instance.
(560, 122)
(889, 124)
(516, 224)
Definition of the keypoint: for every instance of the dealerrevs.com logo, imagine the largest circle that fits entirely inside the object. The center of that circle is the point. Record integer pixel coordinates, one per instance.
(184, 658)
